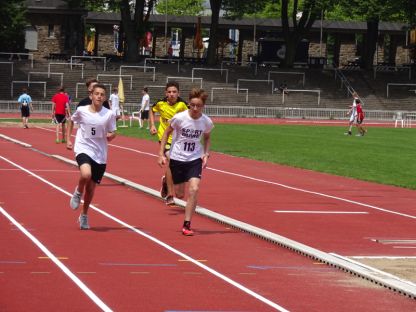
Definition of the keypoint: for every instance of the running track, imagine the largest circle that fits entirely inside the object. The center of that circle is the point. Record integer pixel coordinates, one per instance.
(126, 271)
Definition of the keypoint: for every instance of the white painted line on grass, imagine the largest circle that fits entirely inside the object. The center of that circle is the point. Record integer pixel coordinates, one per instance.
(51, 256)
(320, 212)
(160, 243)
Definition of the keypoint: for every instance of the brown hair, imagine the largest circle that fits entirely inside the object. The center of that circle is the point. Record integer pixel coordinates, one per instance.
(101, 86)
(198, 93)
(88, 82)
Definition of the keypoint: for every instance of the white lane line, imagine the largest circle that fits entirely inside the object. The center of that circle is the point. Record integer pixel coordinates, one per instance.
(382, 257)
(14, 140)
(160, 243)
(320, 212)
(282, 185)
(62, 266)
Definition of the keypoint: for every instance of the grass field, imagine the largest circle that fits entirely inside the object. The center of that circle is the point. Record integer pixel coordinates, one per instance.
(384, 155)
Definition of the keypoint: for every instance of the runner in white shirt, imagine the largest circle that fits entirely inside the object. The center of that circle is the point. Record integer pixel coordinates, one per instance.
(144, 108)
(97, 126)
(187, 154)
(353, 113)
(114, 101)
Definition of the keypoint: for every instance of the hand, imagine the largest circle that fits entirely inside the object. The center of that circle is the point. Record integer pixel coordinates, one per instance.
(205, 160)
(161, 161)
(153, 130)
(69, 145)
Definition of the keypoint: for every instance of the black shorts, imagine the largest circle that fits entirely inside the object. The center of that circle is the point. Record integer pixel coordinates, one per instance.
(25, 111)
(183, 171)
(144, 115)
(97, 170)
(60, 118)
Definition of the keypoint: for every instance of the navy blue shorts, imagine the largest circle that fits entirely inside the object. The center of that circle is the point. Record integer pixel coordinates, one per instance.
(97, 170)
(183, 171)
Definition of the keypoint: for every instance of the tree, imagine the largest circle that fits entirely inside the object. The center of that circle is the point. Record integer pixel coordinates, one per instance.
(374, 11)
(12, 25)
(134, 19)
(180, 7)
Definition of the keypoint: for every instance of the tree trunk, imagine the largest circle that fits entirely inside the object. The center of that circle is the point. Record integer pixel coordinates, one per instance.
(131, 48)
(370, 43)
(212, 47)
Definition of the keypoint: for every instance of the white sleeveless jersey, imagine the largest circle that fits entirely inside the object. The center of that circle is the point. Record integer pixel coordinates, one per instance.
(91, 138)
(187, 134)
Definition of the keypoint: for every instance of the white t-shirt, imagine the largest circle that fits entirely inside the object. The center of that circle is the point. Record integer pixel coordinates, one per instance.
(91, 138)
(353, 110)
(115, 102)
(187, 134)
(145, 102)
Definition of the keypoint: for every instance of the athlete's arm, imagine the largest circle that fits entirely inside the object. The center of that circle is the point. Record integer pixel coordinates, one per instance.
(162, 157)
(207, 145)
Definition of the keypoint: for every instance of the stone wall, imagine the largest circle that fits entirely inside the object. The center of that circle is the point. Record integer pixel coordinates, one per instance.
(346, 53)
(47, 44)
(315, 49)
(105, 44)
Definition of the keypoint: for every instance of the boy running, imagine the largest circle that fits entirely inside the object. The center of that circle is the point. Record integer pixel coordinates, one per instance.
(167, 108)
(188, 155)
(97, 126)
(60, 111)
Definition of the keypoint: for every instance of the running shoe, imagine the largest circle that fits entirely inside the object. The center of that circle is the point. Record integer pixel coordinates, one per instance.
(63, 141)
(187, 231)
(169, 201)
(348, 133)
(83, 222)
(75, 199)
(57, 141)
(164, 188)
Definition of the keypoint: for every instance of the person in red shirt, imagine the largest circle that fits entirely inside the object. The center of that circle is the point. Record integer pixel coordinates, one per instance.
(60, 111)
(360, 119)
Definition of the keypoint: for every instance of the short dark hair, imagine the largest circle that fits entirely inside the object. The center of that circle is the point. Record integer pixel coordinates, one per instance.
(101, 86)
(172, 84)
(145, 89)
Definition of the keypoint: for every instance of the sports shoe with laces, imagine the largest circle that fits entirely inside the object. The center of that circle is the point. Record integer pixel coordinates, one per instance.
(83, 222)
(75, 199)
(164, 188)
(169, 201)
(187, 231)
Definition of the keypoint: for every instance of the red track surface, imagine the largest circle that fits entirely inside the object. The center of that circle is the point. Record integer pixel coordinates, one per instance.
(131, 273)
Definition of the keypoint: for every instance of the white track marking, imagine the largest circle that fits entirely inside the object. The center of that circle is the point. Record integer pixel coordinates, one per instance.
(160, 243)
(320, 212)
(382, 257)
(62, 266)
(282, 185)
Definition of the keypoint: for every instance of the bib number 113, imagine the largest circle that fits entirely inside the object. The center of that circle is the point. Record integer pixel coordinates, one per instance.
(189, 146)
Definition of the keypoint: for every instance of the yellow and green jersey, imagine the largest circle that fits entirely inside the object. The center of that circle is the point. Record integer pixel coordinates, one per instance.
(166, 112)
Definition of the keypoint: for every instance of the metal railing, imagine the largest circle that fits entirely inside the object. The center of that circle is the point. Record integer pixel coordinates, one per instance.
(238, 111)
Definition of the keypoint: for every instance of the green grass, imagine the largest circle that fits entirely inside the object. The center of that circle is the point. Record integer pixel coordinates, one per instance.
(384, 155)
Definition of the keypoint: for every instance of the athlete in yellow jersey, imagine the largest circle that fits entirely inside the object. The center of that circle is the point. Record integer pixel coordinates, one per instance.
(167, 108)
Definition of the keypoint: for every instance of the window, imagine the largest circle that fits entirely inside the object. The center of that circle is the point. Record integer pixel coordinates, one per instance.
(51, 32)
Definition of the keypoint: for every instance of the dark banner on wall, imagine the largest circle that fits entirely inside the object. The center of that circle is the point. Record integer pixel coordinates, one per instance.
(274, 50)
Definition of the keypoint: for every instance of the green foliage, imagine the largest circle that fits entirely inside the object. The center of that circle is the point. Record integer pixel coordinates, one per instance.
(180, 7)
(12, 25)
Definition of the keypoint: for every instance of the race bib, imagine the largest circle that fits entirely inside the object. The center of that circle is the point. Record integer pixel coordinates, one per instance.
(94, 131)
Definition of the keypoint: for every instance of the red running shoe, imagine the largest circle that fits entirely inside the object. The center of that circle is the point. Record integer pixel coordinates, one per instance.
(187, 231)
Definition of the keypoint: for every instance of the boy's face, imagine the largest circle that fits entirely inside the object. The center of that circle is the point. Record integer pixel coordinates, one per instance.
(172, 94)
(196, 106)
(98, 96)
